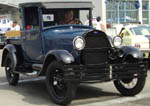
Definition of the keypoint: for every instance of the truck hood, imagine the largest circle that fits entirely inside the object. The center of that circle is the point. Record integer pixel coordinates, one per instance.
(61, 37)
(68, 30)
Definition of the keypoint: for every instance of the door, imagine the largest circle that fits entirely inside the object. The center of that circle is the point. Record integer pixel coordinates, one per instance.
(31, 36)
(32, 45)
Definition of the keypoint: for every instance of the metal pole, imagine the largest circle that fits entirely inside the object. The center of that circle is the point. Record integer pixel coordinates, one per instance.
(118, 12)
(140, 12)
(148, 12)
(124, 11)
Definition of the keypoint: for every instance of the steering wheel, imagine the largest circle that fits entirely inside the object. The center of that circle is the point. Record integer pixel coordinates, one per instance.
(77, 21)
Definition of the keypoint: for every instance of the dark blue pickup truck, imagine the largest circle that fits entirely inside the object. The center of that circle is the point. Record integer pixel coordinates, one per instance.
(70, 53)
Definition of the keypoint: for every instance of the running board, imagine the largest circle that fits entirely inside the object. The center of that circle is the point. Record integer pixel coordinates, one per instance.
(32, 74)
(37, 67)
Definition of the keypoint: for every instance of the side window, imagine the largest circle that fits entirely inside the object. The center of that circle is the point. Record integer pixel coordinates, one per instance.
(31, 18)
(49, 17)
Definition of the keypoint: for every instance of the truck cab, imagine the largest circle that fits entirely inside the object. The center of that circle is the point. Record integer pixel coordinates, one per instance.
(41, 21)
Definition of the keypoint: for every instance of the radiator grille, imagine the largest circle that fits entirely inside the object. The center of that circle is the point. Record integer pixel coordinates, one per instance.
(96, 49)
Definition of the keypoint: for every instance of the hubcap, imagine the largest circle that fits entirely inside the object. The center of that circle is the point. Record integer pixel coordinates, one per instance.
(131, 84)
(8, 68)
(58, 83)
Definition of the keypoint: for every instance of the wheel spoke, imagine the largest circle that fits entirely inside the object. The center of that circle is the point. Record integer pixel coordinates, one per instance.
(55, 83)
(128, 85)
(7, 68)
(131, 84)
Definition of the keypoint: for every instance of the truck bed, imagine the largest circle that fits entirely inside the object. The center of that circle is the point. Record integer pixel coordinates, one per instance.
(14, 40)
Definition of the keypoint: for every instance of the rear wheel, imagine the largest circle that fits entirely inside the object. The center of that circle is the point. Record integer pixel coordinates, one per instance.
(61, 92)
(130, 86)
(11, 76)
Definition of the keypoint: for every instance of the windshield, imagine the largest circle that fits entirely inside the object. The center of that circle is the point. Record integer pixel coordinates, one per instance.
(141, 30)
(54, 17)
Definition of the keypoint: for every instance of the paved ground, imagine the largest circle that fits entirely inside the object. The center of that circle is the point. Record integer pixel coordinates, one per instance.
(32, 92)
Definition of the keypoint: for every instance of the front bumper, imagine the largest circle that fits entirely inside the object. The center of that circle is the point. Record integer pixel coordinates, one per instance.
(104, 72)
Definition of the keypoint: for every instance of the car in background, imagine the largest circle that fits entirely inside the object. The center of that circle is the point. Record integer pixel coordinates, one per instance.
(137, 36)
(4, 27)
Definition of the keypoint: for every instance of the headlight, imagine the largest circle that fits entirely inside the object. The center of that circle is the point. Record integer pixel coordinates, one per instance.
(79, 42)
(117, 41)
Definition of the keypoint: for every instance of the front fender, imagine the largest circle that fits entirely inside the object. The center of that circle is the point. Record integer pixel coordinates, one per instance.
(132, 51)
(11, 50)
(62, 56)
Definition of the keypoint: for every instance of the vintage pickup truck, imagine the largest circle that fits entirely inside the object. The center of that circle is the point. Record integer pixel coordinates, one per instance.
(70, 54)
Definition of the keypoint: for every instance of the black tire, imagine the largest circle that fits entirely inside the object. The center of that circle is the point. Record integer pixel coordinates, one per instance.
(61, 92)
(130, 91)
(120, 84)
(12, 77)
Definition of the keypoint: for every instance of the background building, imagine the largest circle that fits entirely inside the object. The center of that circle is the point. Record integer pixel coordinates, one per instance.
(114, 11)
(9, 8)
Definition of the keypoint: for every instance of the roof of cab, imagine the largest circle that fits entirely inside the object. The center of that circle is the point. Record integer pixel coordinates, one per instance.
(59, 5)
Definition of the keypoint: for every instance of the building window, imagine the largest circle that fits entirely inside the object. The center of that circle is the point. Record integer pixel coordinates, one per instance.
(145, 12)
(122, 11)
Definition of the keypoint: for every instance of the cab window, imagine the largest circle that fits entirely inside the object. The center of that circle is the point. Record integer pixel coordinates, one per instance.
(31, 18)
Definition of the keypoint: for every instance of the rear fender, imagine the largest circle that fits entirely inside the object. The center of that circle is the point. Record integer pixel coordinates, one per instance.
(12, 51)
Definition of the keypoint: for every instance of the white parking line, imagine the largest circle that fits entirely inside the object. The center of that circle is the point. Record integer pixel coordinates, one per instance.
(118, 100)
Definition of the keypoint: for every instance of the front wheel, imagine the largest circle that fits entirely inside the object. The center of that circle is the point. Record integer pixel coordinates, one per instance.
(130, 87)
(11, 76)
(60, 91)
